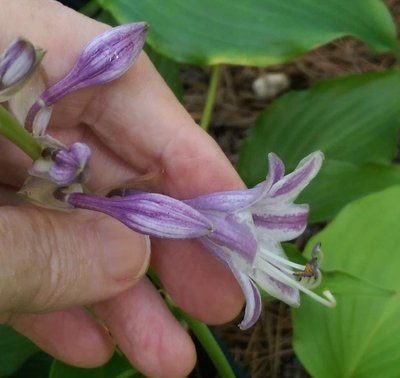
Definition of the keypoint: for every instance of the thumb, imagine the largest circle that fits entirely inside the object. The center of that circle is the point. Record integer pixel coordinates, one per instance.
(53, 260)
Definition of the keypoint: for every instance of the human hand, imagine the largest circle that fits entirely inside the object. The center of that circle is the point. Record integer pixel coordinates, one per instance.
(54, 262)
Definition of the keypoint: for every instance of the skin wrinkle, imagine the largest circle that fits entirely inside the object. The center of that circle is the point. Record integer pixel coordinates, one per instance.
(58, 267)
(18, 269)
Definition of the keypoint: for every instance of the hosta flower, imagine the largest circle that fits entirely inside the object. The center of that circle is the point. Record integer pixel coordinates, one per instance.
(243, 229)
(103, 59)
(17, 64)
(248, 228)
(63, 166)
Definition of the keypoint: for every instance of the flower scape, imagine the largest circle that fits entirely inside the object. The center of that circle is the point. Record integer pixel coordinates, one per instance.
(242, 228)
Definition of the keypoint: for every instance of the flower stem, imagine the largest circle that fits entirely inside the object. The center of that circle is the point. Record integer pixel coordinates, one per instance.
(211, 96)
(200, 330)
(210, 345)
(13, 131)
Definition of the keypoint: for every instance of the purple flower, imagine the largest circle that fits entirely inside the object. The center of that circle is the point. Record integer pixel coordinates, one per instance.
(104, 59)
(63, 166)
(248, 228)
(148, 213)
(17, 64)
(243, 229)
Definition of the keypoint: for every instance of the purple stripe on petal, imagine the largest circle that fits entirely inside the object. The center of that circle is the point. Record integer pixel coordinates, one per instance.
(277, 289)
(148, 213)
(289, 187)
(286, 222)
(234, 200)
(276, 170)
(103, 59)
(16, 61)
(17, 64)
(250, 290)
(238, 236)
(228, 202)
(70, 165)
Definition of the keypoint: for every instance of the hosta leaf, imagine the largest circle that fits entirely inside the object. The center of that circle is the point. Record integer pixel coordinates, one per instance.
(256, 32)
(353, 119)
(361, 336)
(339, 183)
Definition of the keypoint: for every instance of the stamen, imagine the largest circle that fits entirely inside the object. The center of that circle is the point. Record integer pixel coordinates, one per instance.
(329, 301)
(264, 265)
(283, 260)
(311, 268)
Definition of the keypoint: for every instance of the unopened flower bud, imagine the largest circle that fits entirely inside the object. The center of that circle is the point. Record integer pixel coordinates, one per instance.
(103, 59)
(63, 166)
(17, 64)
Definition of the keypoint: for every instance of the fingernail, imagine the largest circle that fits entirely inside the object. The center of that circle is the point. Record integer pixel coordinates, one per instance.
(125, 253)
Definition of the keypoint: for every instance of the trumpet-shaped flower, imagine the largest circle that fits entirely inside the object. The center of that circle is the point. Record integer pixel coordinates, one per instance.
(243, 229)
(103, 59)
(17, 64)
(248, 228)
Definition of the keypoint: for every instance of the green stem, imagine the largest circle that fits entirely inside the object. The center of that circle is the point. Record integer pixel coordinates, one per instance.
(200, 330)
(211, 96)
(13, 131)
(210, 345)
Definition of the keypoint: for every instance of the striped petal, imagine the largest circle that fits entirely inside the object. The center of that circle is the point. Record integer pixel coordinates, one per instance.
(290, 186)
(284, 221)
(235, 233)
(231, 201)
(250, 290)
(277, 288)
(148, 213)
(253, 298)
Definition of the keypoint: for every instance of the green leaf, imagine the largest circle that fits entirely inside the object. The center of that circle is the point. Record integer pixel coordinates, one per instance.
(353, 119)
(257, 32)
(342, 283)
(349, 181)
(361, 336)
(15, 349)
(117, 367)
(364, 239)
